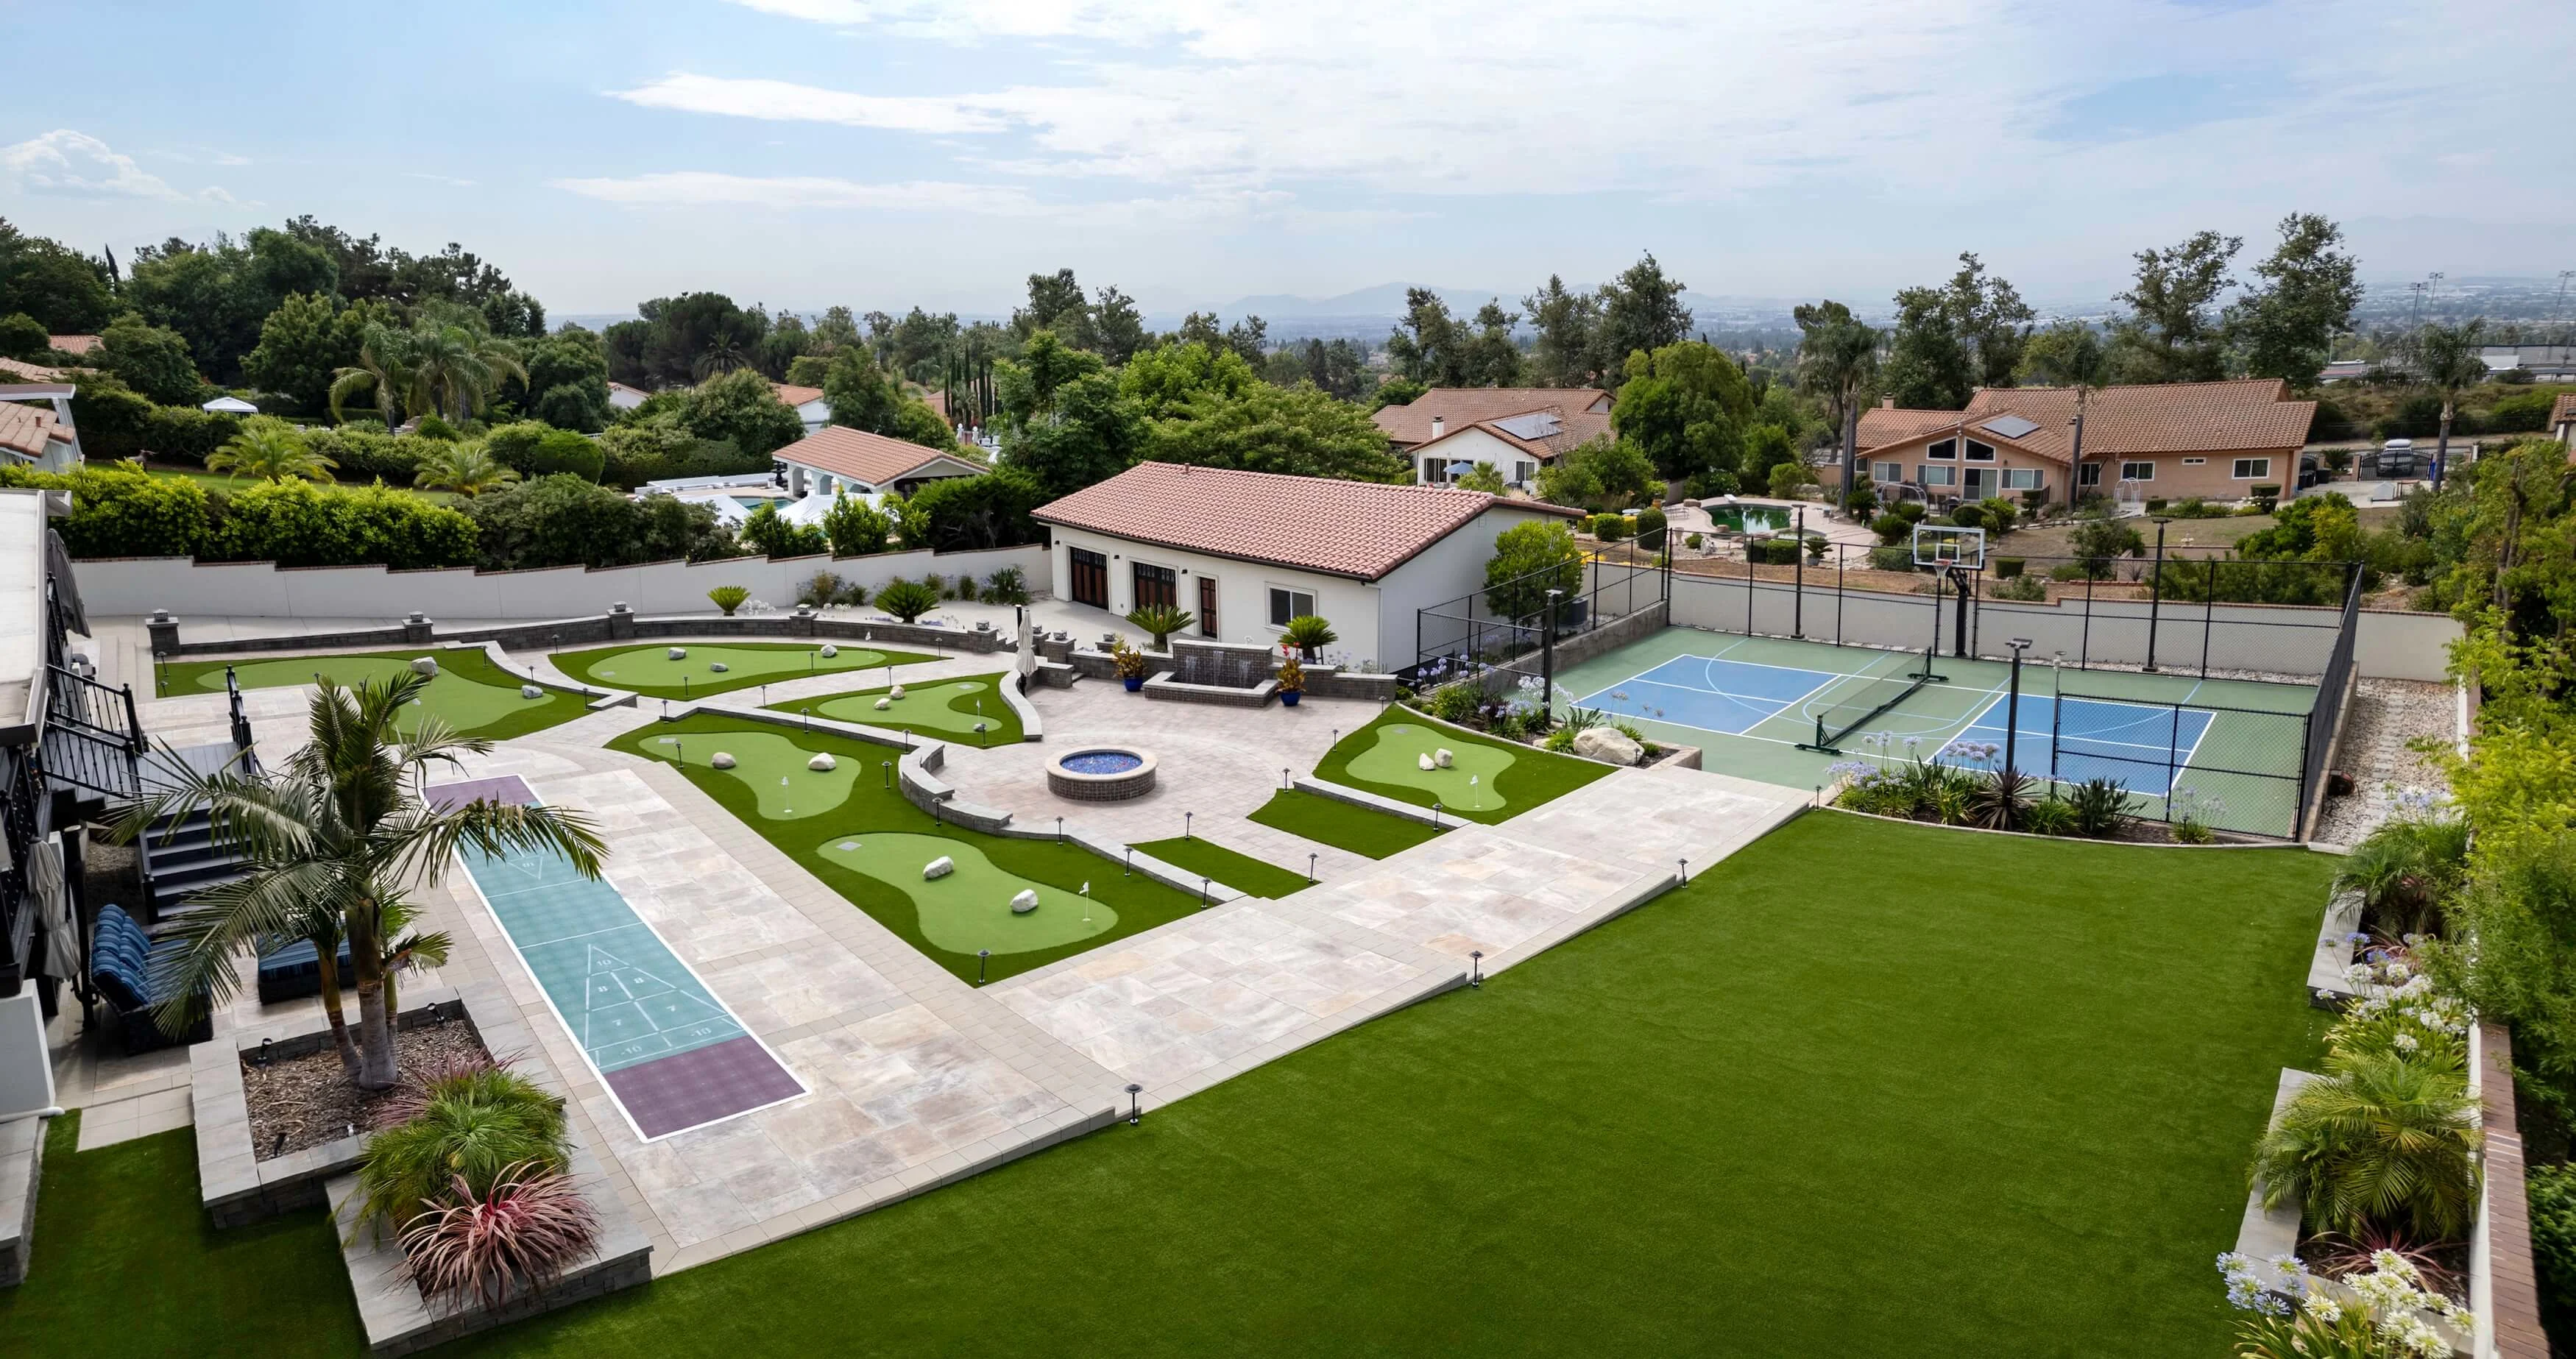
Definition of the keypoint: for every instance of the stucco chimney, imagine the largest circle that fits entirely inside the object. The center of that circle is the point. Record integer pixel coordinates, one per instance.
(1887, 403)
(1437, 426)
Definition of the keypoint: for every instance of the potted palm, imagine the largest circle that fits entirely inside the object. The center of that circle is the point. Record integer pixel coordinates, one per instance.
(1309, 633)
(1292, 682)
(728, 598)
(1162, 620)
(1131, 666)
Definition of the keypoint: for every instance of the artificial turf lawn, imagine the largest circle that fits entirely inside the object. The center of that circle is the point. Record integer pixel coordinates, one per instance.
(475, 696)
(1343, 825)
(126, 1263)
(1241, 872)
(650, 671)
(766, 754)
(1862, 1089)
(1510, 778)
(948, 708)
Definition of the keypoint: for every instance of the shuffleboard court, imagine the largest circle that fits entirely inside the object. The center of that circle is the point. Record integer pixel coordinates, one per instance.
(666, 1048)
(1709, 692)
(2075, 739)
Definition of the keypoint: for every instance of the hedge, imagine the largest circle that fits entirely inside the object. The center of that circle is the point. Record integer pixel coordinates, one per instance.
(124, 512)
(1773, 551)
(118, 511)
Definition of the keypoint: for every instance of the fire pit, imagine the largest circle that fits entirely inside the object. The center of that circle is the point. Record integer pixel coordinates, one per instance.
(1101, 774)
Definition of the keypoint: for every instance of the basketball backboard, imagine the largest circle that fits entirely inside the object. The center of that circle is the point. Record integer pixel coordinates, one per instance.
(1945, 545)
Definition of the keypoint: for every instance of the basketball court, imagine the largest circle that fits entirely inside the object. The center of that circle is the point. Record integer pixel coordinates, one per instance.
(664, 1046)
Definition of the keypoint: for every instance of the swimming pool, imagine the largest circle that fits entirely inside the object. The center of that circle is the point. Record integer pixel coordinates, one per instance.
(1750, 518)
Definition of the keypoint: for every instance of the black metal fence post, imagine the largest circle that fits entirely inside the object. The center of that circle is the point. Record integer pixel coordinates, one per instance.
(2155, 598)
(1798, 580)
(2208, 616)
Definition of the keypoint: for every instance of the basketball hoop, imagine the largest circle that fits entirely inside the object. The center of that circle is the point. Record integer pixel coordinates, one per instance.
(1945, 547)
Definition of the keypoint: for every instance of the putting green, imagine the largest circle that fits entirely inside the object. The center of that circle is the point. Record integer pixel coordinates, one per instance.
(650, 669)
(946, 706)
(970, 909)
(1470, 783)
(470, 705)
(772, 767)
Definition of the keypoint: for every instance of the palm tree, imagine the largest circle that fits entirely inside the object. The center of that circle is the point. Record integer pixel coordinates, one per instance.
(1837, 359)
(469, 469)
(456, 368)
(2447, 359)
(2382, 1139)
(383, 367)
(269, 449)
(333, 840)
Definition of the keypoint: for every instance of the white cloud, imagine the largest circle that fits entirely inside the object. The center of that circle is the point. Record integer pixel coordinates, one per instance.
(694, 188)
(781, 101)
(66, 162)
(449, 180)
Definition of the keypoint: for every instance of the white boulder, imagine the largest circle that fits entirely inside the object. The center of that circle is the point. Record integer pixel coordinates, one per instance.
(895, 693)
(828, 651)
(938, 868)
(424, 665)
(1608, 745)
(1424, 762)
(1443, 758)
(722, 760)
(678, 653)
(1025, 902)
(821, 764)
(884, 703)
(531, 691)
(717, 667)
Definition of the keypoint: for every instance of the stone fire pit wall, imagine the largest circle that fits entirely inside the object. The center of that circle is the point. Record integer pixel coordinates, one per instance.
(1110, 787)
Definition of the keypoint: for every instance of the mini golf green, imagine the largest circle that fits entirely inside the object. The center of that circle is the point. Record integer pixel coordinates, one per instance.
(969, 909)
(1490, 780)
(474, 695)
(772, 767)
(649, 669)
(949, 707)
(1471, 783)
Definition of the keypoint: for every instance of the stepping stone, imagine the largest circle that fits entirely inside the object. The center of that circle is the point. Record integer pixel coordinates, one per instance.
(1025, 902)
(424, 665)
(938, 868)
(678, 653)
(821, 764)
(722, 760)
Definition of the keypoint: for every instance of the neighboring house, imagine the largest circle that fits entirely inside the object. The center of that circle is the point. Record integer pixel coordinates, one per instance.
(809, 403)
(23, 371)
(1518, 429)
(2215, 440)
(73, 344)
(2544, 362)
(39, 436)
(2562, 419)
(838, 457)
(625, 398)
(1247, 551)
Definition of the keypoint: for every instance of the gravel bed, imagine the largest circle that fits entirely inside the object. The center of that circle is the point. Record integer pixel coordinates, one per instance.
(2384, 718)
(311, 1100)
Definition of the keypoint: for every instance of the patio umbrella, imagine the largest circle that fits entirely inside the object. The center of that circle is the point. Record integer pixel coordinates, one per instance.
(230, 405)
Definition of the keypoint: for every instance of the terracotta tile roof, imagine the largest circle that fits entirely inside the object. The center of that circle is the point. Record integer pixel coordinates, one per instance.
(796, 396)
(872, 458)
(2562, 410)
(74, 344)
(1461, 406)
(31, 372)
(1360, 529)
(24, 429)
(938, 401)
(638, 392)
(2181, 417)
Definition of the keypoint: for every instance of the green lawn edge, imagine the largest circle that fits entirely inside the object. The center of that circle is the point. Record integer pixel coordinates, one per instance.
(1364, 831)
(1004, 719)
(559, 706)
(1535, 778)
(578, 664)
(1141, 902)
(1242, 872)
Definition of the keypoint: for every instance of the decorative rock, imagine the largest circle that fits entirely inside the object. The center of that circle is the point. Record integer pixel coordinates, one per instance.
(820, 764)
(895, 693)
(884, 703)
(678, 653)
(1424, 762)
(938, 868)
(424, 665)
(828, 651)
(1443, 758)
(1608, 745)
(531, 691)
(721, 760)
(718, 667)
(1025, 902)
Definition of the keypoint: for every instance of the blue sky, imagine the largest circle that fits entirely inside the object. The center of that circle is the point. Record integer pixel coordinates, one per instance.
(888, 152)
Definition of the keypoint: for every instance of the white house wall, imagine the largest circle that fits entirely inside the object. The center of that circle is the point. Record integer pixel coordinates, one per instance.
(1446, 570)
(1243, 591)
(1472, 446)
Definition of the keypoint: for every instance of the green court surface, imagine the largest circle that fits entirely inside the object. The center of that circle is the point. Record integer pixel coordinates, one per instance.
(1364, 831)
(649, 670)
(893, 839)
(1245, 874)
(970, 907)
(1488, 781)
(2234, 747)
(950, 707)
(475, 696)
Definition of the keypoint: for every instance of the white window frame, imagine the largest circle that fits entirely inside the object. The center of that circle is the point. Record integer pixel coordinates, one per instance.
(1270, 603)
(1888, 473)
(1946, 450)
(2238, 473)
(1435, 471)
(1978, 452)
(2021, 479)
(1946, 476)
(2194, 462)
(2129, 470)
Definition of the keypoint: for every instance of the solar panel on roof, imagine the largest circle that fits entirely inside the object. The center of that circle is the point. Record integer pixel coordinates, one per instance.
(2010, 426)
(1534, 425)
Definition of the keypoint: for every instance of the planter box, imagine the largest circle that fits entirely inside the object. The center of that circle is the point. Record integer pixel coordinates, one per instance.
(234, 1184)
(22, 1169)
(2327, 988)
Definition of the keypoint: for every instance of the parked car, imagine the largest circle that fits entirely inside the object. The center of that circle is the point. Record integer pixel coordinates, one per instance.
(2396, 458)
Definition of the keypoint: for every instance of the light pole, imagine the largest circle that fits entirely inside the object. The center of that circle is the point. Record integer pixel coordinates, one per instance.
(2012, 704)
(2155, 596)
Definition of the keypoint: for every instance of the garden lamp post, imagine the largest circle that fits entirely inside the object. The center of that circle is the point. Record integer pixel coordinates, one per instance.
(1310, 867)
(2012, 703)
(1476, 967)
(1135, 1115)
(1185, 824)
(982, 957)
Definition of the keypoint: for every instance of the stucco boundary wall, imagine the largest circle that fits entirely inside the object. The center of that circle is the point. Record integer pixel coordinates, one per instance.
(595, 631)
(116, 587)
(2284, 639)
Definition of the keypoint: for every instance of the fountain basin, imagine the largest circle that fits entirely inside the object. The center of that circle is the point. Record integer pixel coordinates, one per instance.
(1101, 774)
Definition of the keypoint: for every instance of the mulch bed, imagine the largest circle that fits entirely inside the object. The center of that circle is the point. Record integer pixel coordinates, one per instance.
(309, 1100)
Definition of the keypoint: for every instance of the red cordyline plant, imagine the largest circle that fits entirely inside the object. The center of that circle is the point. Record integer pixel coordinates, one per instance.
(525, 1233)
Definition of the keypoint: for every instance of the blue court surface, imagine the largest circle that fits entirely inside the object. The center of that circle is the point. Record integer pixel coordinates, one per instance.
(2140, 745)
(1709, 693)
